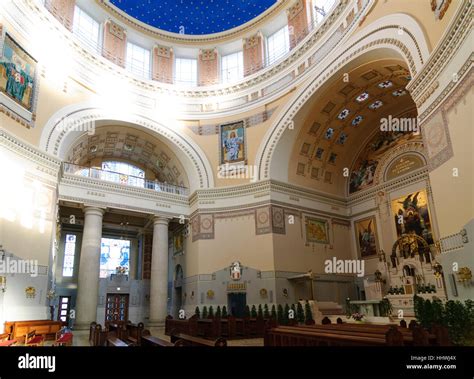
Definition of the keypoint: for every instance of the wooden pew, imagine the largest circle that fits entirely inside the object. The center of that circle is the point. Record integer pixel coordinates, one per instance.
(6, 341)
(155, 341)
(181, 339)
(114, 341)
(97, 336)
(307, 336)
(18, 329)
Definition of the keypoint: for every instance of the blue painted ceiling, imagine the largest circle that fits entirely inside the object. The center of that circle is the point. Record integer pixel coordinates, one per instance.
(194, 17)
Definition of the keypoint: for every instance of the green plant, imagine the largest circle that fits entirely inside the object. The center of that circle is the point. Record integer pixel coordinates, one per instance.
(197, 312)
(253, 313)
(458, 317)
(260, 311)
(299, 313)
(204, 312)
(218, 312)
(224, 312)
(293, 308)
(385, 307)
(266, 313)
(247, 312)
(286, 312)
(273, 313)
(280, 314)
(308, 315)
(211, 311)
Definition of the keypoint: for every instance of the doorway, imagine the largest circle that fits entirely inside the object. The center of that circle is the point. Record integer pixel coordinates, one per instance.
(237, 302)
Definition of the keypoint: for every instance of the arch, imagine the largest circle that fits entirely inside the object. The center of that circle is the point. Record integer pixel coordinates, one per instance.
(394, 35)
(73, 121)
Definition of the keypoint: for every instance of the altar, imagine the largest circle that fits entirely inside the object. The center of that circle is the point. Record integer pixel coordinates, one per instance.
(370, 308)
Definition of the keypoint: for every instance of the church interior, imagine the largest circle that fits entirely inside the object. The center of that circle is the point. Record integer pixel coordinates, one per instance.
(236, 173)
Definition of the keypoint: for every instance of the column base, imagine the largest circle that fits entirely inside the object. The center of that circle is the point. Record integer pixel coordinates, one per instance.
(156, 323)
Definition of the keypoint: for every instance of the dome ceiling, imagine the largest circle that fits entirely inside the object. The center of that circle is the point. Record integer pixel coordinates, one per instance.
(193, 17)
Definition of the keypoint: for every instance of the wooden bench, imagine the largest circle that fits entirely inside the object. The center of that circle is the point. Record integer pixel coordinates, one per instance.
(181, 339)
(6, 341)
(155, 341)
(308, 336)
(19, 329)
(114, 341)
(31, 339)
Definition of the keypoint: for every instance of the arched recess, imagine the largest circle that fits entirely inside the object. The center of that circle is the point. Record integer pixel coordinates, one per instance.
(396, 36)
(71, 122)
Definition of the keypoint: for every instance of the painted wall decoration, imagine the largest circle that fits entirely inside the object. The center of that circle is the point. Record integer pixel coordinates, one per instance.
(403, 165)
(411, 215)
(232, 143)
(178, 242)
(17, 73)
(366, 237)
(317, 231)
(363, 171)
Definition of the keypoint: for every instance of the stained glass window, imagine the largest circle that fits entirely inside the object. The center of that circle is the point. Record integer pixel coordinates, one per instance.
(357, 120)
(69, 252)
(114, 253)
(329, 133)
(376, 104)
(362, 97)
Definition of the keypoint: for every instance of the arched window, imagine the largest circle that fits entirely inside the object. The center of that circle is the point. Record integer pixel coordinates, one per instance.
(124, 173)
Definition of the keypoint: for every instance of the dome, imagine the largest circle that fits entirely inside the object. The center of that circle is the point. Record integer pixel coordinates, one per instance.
(193, 17)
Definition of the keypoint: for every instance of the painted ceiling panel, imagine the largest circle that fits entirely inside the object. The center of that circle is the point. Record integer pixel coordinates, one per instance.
(194, 17)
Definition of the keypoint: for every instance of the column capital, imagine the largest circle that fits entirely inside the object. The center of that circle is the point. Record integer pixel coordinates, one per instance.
(161, 220)
(93, 210)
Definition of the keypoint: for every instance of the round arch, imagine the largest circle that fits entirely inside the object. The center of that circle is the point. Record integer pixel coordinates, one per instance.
(397, 35)
(71, 122)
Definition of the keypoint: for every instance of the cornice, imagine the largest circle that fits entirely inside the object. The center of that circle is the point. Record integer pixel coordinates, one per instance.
(458, 30)
(28, 151)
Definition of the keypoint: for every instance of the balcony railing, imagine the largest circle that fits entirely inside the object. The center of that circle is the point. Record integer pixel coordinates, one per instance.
(128, 180)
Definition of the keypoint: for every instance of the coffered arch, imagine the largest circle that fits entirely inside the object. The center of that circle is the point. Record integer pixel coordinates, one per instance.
(71, 123)
(396, 36)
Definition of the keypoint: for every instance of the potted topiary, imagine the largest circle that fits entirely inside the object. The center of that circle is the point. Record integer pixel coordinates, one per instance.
(266, 313)
(211, 312)
(247, 312)
(299, 313)
(253, 313)
(308, 315)
(218, 312)
(204, 312)
(197, 312)
(224, 312)
(286, 313)
(260, 311)
(273, 313)
(280, 314)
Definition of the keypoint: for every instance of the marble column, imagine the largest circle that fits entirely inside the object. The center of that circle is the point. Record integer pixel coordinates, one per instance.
(159, 272)
(89, 267)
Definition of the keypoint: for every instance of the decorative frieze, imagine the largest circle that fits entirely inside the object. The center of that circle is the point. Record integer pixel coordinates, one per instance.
(162, 69)
(114, 43)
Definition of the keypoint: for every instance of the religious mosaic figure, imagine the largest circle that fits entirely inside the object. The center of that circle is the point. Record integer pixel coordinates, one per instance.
(232, 143)
(16, 73)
